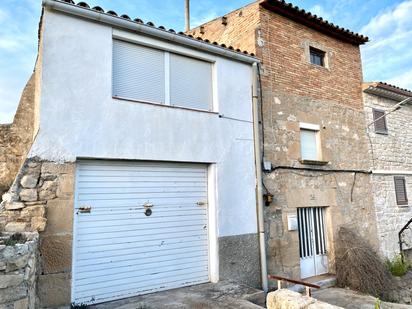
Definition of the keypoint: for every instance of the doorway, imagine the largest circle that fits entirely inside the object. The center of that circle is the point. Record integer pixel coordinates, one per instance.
(312, 241)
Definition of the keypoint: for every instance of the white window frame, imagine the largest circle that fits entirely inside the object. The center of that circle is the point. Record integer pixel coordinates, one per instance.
(168, 48)
(315, 128)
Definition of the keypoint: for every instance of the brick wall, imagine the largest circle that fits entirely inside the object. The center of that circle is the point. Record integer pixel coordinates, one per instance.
(16, 138)
(294, 91)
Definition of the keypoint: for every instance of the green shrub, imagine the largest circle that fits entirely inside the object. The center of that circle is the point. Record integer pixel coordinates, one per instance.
(14, 239)
(396, 266)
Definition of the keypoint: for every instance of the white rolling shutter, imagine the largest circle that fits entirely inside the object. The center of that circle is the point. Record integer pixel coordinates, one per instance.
(190, 82)
(119, 251)
(138, 72)
(308, 145)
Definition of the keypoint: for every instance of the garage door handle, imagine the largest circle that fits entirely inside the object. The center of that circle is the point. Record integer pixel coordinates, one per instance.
(201, 203)
(85, 210)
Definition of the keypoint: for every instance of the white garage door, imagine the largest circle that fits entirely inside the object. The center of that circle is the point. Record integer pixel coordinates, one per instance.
(139, 227)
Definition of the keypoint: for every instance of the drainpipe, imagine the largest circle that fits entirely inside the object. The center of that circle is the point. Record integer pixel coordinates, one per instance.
(259, 186)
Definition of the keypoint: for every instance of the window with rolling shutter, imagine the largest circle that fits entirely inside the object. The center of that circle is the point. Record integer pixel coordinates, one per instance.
(379, 119)
(152, 75)
(400, 191)
(138, 72)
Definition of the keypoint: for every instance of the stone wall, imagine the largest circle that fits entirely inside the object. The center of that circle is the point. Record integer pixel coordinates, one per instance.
(18, 264)
(391, 153)
(390, 216)
(45, 190)
(16, 138)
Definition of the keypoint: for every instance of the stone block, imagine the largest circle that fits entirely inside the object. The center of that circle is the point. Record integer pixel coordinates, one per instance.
(29, 181)
(14, 205)
(48, 190)
(56, 254)
(59, 216)
(21, 304)
(50, 168)
(15, 227)
(38, 224)
(66, 186)
(19, 261)
(54, 290)
(286, 299)
(28, 195)
(7, 281)
(33, 211)
(12, 293)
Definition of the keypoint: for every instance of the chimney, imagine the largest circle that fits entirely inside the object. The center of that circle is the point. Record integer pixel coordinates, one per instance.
(187, 15)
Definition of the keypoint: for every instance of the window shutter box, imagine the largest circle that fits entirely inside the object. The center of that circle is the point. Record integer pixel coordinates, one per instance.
(380, 121)
(138, 72)
(400, 191)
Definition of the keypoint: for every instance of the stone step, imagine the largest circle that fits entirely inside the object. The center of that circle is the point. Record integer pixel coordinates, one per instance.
(258, 298)
(322, 281)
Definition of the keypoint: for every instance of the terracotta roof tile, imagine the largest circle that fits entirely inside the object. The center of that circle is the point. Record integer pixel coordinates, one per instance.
(395, 89)
(151, 24)
(313, 21)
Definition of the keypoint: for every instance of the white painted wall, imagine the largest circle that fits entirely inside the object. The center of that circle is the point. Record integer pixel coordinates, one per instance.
(79, 118)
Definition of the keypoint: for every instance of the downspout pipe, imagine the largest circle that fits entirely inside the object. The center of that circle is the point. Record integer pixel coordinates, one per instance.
(119, 22)
(259, 185)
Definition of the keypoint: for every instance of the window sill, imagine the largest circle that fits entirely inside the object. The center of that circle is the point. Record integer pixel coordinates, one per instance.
(381, 133)
(313, 162)
(164, 105)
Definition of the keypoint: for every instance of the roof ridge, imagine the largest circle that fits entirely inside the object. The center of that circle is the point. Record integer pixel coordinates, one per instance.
(99, 9)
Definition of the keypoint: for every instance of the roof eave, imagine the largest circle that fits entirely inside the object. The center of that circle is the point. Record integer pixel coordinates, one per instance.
(150, 30)
(312, 21)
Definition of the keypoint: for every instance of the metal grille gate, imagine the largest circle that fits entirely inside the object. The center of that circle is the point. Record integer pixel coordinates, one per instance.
(312, 241)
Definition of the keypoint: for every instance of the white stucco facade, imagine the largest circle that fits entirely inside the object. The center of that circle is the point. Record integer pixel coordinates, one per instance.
(80, 119)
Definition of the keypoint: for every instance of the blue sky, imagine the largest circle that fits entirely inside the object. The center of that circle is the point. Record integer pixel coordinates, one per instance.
(388, 57)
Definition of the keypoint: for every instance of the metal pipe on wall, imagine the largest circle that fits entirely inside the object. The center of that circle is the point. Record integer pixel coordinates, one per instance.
(259, 185)
(187, 15)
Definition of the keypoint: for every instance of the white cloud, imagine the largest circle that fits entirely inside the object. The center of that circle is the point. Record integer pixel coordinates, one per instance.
(388, 57)
(404, 80)
(320, 12)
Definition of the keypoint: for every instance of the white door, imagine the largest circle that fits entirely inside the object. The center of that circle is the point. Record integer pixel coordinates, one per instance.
(312, 242)
(139, 227)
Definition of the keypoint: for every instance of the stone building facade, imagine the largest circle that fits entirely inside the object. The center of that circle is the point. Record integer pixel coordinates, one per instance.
(296, 95)
(392, 158)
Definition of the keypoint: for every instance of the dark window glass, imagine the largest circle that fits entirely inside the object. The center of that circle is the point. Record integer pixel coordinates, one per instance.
(317, 56)
(380, 121)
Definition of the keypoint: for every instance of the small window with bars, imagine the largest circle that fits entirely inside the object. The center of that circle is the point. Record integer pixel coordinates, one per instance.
(379, 120)
(317, 56)
(400, 191)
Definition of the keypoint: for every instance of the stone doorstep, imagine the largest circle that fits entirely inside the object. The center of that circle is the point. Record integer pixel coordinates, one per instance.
(325, 281)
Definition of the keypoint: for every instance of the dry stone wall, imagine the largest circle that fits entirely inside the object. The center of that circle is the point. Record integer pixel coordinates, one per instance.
(41, 199)
(18, 272)
(16, 138)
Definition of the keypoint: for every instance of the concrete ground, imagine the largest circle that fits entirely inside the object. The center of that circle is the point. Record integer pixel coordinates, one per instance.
(205, 296)
(353, 300)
